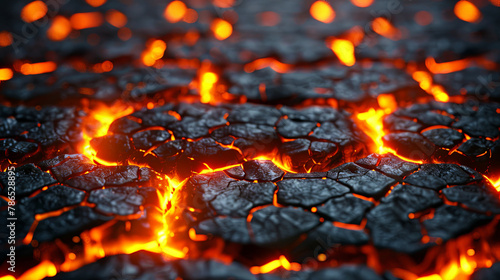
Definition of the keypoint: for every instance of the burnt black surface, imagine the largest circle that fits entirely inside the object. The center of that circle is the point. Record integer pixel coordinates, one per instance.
(341, 196)
(447, 132)
(224, 135)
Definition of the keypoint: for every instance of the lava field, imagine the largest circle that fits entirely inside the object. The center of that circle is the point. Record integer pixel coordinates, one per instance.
(250, 139)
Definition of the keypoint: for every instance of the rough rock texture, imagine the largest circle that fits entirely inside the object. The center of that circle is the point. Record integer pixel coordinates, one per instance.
(311, 210)
(314, 138)
(447, 132)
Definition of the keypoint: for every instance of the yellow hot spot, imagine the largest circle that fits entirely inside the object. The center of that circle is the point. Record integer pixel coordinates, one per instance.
(322, 11)
(175, 11)
(59, 29)
(467, 11)
(344, 50)
(33, 11)
(221, 29)
(5, 74)
(207, 82)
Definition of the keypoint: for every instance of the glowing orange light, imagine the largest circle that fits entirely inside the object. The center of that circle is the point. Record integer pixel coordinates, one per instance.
(272, 265)
(495, 2)
(100, 119)
(154, 52)
(467, 11)
(423, 18)
(191, 16)
(42, 270)
(322, 11)
(86, 20)
(267, 62)
(59, 29)
(495, 183)
(175, 11)
(221, 29)
(344, 50)
(5, 39)
(223, 3)
(362, 3)
(196, 237)
(384, 28)
(207, 82)
(5, 74)
(116, 18)
(446, 67)
(38, 68)
(425, 82)
(95, 3)
(33, 11)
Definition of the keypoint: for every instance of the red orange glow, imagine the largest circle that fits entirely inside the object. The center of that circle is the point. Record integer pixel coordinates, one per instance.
(59, 29)
(38, 68)
(322, 11)
(86, 20)
(425, 82)
(384, 28)
(175, 11)
(95, 3)
(446, 67)
(423, 18)
(5, 39)
(153, 52)
(33, 11)
(116, 18)
(267, 62)
(467, 11)
(362, 3)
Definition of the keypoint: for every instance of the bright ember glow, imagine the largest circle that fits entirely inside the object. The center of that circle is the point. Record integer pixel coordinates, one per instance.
(95, 3)
(272, 265)
(175, 11)
(97, 123)
(446, 67)
(267, 62)
(467, 11)
(86, 20)
(221, 29)
(322, 11)
(154, 52)
(5, 74)
(38, 68)
(116, 18)
(344, 50)
(362, 3)
(5, 39)
(33, 11)
(371, 122)
(207, 82)
(425, 82)
(384, 28)
(59, 29)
